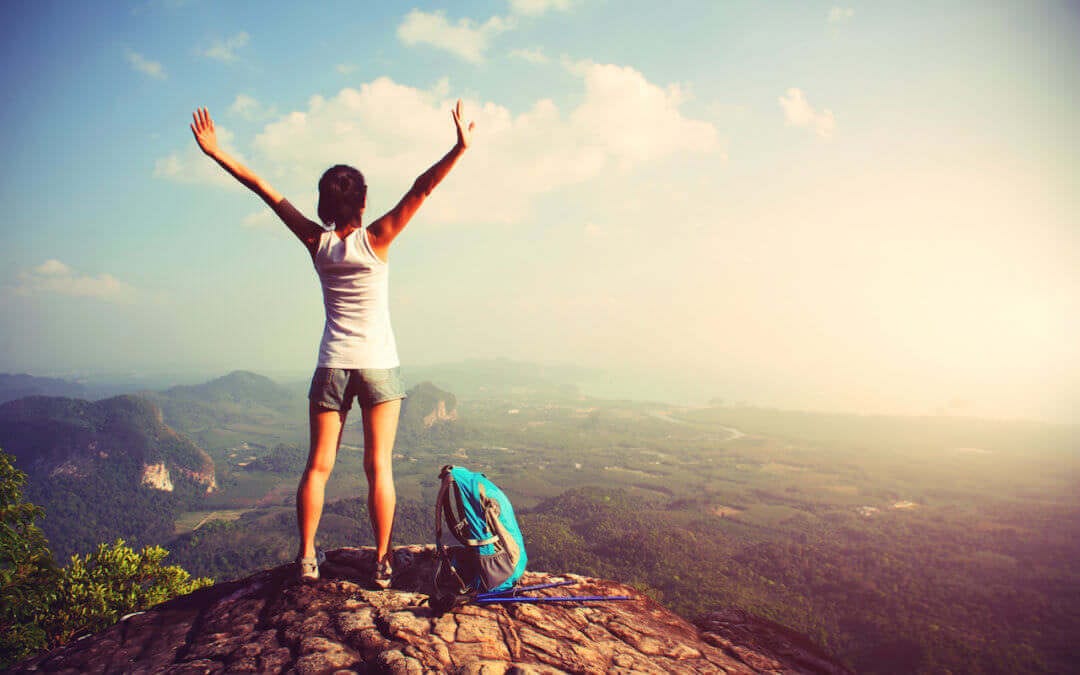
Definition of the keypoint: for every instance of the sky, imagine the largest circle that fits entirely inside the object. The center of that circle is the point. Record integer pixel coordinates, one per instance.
(848, 206)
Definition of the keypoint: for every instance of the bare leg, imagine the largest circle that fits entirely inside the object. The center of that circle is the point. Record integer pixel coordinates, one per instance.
(380, 429)
(326, 426)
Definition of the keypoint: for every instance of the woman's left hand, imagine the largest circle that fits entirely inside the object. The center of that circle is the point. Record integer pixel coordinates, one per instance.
(464, 133)
(203, 128)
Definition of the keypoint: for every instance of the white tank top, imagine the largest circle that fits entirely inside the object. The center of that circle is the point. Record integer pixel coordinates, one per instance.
(356, 295)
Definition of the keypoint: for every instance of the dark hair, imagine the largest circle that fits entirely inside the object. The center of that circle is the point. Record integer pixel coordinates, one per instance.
(342, 193)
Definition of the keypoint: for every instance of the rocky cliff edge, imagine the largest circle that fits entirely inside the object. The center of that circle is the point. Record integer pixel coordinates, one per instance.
(269, 623)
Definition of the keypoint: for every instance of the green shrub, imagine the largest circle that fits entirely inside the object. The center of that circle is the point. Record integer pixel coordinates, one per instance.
(43, 606)
(27, 570)
(96, 589)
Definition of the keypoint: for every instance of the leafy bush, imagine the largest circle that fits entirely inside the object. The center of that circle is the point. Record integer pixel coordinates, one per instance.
(42, 607)
(97, 589)
(26, 569)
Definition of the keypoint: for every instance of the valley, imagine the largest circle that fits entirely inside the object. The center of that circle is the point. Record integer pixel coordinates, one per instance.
(926, 543)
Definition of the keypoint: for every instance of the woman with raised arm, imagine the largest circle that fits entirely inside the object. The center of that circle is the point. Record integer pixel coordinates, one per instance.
(358, 356)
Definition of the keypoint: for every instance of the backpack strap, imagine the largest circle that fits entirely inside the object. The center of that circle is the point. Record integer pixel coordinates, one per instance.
(444, 510)
(445, 560)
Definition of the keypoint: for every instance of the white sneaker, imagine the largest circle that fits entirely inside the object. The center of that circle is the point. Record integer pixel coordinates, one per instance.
(383, 572)
(309, 567)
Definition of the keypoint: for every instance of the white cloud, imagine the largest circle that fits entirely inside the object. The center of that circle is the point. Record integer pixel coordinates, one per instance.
(799, 113)
(145, 65)
(225, 50)
(190, 165)
(634, 119)
(53, 276)
(622, 122)
(840, 14)
(469, 39)
(51, 268)
(345, 68)
(537, 7)
(531, 55)
(250, 108)
(466, 39)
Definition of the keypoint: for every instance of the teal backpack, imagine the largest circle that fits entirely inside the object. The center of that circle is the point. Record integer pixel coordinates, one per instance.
(491, 556)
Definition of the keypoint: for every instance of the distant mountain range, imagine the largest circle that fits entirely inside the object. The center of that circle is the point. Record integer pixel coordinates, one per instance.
(13, 386)
(240, 396)
(127, 466)
(240, 386)
(481, 378)
(472, 378)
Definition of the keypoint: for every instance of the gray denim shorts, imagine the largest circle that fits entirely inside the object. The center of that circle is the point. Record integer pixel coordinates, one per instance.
(334, 388)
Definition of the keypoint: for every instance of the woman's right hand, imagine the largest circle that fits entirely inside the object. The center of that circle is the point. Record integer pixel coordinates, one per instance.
(203, 128)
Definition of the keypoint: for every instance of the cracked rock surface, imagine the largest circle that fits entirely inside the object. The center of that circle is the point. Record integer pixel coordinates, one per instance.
(270, 623)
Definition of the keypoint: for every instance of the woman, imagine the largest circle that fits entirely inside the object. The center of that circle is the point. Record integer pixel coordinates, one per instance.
(357, 356)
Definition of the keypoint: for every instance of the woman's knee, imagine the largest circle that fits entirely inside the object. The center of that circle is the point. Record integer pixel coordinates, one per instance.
(376, 466)
(319, 470)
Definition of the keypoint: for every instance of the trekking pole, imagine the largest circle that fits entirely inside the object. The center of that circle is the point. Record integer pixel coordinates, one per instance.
(515, 591)
(542, 599)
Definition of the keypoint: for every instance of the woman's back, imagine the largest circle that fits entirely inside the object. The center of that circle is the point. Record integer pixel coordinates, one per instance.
(356, 297)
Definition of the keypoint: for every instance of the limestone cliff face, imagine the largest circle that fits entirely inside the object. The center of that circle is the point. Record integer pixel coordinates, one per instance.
(157, 476)
(269, 623)
(439, 414)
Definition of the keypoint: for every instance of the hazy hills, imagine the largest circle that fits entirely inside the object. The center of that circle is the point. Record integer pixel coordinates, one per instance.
(13, 386)
(240, 396)
(53, 436)
(240, 387)
(484, 378)
(127, 466)
(103, 469)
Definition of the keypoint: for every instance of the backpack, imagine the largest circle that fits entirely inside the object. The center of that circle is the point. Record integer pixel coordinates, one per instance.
(491, 556)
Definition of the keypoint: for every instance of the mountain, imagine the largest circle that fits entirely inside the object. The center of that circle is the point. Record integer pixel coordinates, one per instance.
(89, 387)
(56, 436)
(19, 386)
(426, 405)
(240, 396)
(239, 386)
(429, 417)
(268, 623)
(103, 469)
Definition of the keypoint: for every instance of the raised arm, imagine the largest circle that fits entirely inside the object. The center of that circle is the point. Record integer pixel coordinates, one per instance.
(385, 229)
(203, 128)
